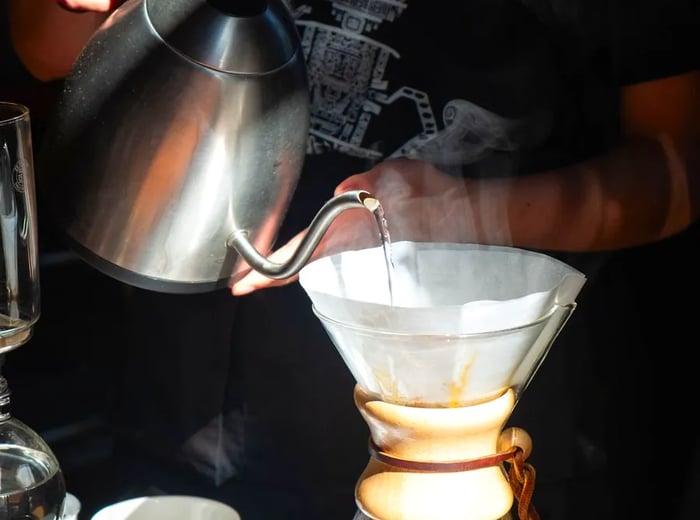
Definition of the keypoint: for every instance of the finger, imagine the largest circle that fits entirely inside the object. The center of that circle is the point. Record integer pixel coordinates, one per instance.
(99, 6)
(254, 280)
(359, 181)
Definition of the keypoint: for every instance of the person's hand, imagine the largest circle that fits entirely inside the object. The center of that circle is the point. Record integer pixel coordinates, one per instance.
(420, 203)
(48, 35)
(95, 6)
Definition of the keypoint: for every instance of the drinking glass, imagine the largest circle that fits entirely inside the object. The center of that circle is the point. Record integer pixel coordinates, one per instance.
(19, 273)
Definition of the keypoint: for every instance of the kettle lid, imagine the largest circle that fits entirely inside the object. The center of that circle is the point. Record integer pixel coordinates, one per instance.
(262, 32)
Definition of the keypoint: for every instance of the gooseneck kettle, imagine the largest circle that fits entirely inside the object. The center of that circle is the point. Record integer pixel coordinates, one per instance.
(177, 143)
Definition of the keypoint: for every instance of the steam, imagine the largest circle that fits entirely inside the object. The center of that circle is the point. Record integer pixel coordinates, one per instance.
(474, 143)
(472, 133)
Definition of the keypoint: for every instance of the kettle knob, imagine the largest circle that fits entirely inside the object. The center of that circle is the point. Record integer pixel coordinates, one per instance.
(240, 37)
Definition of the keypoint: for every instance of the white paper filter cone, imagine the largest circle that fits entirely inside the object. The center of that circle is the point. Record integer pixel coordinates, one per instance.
(465, 317)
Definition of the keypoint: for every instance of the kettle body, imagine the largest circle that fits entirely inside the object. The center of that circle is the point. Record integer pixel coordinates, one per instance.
(182, 122)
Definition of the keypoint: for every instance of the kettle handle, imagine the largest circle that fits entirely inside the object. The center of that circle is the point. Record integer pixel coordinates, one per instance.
(319, 225)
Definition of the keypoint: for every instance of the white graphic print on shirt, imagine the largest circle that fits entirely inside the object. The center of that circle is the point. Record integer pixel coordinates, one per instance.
(348, 89)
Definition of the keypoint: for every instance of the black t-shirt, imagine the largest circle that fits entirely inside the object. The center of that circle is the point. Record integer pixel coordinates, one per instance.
(488, 87)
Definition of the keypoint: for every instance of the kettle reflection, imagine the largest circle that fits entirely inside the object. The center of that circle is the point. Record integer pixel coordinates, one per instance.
(178, 141)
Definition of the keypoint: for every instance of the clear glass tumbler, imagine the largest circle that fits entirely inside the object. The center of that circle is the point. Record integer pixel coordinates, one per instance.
(19, 272)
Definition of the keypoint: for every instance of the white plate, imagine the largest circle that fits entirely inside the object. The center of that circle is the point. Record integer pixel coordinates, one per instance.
(170, 507)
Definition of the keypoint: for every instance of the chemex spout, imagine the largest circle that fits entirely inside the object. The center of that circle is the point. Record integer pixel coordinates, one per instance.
(319, 225)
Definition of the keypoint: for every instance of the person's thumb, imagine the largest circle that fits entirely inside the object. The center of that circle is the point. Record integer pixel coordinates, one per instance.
(354, 182)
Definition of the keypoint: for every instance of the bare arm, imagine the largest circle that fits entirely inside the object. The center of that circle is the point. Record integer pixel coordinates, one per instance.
(645, 190)
(47, 38)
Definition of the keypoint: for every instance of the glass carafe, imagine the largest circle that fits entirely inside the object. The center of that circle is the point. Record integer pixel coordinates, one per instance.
(440, 356)
(32, 486)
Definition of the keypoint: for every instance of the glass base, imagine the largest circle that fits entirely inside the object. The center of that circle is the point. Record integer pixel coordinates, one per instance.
(13, 335)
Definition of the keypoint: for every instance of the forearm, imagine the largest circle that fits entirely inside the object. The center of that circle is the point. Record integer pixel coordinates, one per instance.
(644, 191)
(48, 38)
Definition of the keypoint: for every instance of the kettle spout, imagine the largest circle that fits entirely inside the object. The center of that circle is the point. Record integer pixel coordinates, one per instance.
(319, 225)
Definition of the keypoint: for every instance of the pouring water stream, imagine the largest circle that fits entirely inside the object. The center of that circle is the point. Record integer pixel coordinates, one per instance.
(385, 237)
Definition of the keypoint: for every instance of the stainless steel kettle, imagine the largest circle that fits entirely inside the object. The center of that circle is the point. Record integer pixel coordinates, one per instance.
(178, 141)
